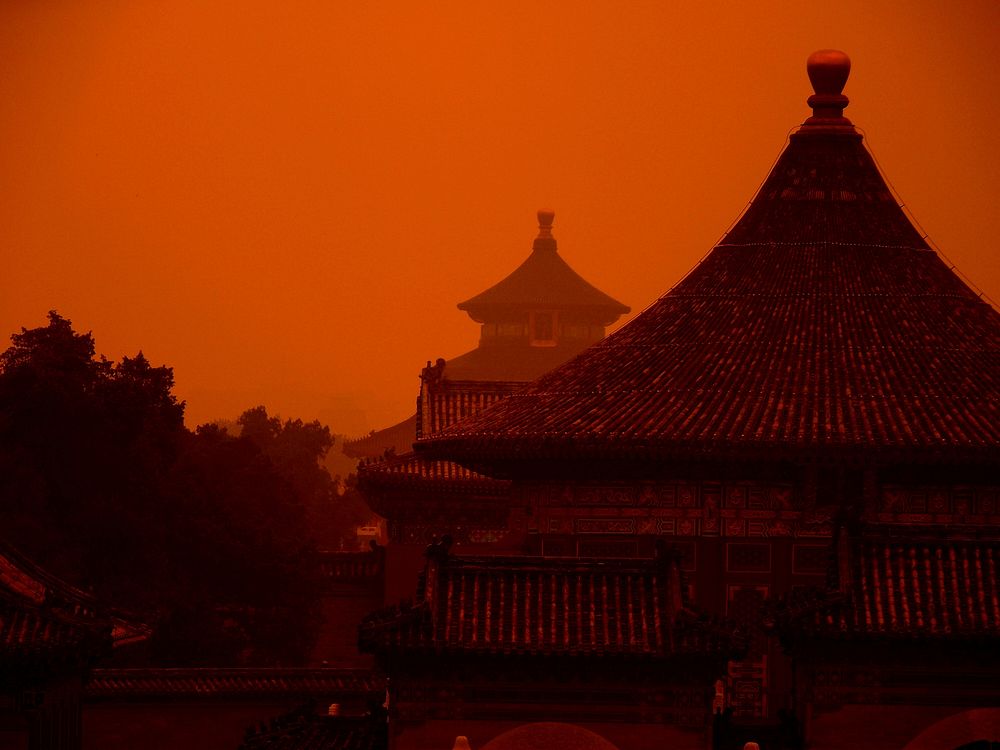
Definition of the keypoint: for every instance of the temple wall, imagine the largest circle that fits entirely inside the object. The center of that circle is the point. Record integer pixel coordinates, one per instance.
(937, 505)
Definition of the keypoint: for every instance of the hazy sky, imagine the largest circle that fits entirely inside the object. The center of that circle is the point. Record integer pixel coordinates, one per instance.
(285, 201)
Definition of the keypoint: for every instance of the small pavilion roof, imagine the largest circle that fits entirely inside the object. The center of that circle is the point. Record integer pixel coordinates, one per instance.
(822, 325)
(543, 281)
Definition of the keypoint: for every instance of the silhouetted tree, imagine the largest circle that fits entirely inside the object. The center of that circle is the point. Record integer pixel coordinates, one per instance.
(100, 482)
(332, 505)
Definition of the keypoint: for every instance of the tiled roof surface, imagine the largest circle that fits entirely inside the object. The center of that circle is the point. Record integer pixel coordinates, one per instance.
(399, 438)
(546, 606)
(821, 322)
(544, 280)
(942, 589)
(26, 632)
(412, 471)
(214, 682)
(42, 615)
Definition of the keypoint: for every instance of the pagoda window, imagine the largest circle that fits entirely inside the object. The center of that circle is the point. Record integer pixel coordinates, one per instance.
(543, 328)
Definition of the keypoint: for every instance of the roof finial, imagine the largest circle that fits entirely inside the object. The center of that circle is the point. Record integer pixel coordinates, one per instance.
(545, 240)
(545, 217)
(828, 70)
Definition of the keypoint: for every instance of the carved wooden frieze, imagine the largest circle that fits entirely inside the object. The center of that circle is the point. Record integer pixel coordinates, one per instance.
(680, 508)
(972, 506)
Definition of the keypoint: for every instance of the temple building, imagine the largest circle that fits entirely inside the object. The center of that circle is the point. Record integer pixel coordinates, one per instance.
(51, 634)
(767, 509)
(536, 318)
(540, 315)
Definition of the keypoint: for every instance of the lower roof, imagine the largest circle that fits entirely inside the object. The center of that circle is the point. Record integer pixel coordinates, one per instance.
(43, 616)
(937, 590)
(410, 472)
(546, 606)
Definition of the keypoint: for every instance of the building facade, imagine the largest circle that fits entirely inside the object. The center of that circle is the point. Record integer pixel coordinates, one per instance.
(539, 316)
(810, 420)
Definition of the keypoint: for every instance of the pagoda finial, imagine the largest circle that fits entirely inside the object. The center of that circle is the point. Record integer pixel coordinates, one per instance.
(545, 240)
(828, 70)
(545, 218)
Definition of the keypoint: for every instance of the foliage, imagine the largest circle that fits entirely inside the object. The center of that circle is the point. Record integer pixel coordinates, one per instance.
(203, 533)
(332, 505)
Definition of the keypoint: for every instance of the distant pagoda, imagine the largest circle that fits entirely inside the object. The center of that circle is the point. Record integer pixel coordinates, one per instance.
(538, 317)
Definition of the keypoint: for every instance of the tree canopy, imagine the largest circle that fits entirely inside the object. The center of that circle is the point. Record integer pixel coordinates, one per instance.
(205, 533)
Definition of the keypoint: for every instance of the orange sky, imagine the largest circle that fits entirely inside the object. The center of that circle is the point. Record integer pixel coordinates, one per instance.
(285, 201)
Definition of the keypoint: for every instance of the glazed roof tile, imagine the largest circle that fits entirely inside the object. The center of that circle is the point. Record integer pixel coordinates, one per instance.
(548, 606)
(412, 471)
(937, 589)
(42, 615)
(821, 322)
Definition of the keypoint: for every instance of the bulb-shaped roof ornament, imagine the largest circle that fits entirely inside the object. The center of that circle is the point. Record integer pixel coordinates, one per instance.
(545, 240)
(828, 71)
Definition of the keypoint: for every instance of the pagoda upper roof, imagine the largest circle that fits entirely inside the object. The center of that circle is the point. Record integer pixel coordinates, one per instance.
(822, 325)
(543, 281)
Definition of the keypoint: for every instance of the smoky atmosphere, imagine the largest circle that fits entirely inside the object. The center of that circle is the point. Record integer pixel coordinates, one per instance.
(285, 204)
(512, 376)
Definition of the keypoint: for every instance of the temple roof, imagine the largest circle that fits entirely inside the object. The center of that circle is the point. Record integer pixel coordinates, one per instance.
(547, 606)
(42, 616)
(544, 280)
(821, 325)
(411, 472)
(942, 589)
(398, 438)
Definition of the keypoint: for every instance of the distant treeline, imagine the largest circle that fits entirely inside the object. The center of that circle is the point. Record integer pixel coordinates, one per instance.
(209, 537)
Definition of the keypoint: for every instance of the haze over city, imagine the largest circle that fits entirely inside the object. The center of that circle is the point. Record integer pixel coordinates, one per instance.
(284, 203)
